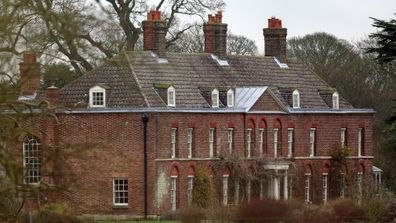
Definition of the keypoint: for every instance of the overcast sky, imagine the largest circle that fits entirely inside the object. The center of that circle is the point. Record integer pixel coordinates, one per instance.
(347, 19)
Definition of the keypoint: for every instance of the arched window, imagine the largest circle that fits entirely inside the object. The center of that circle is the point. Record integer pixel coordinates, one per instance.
(32, 160)
(215, 98)
(296, 99)
(230, 98)
(336, 99)
(97, 97)
(171, 96)
(173, 188)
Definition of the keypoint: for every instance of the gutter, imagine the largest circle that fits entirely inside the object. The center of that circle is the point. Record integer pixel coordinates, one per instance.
(145, 120)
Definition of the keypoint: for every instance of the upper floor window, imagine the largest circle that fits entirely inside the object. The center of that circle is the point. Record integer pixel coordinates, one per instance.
(212, 132)
(173, 142)
(97, 97)
(190, 142)
(230, 98)
(171, 96)
(276, 142)
(262, 142)
(230, 135)
(120, 191)
(312, 138)
(290, 132)
(343, 132)
(248, 143)
(32, 160)
(360, 142)
(215, 98)
(296, 99)
(336, 99)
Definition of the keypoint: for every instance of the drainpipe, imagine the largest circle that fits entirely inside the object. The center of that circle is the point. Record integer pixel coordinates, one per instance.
(145, 120)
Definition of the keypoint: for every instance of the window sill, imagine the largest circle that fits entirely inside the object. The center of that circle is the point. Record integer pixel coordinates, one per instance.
(121, 206)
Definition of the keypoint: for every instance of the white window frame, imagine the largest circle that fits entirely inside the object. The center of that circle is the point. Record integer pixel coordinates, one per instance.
(360, 141)
(212, 132)
(173, 193)
(215, 98)
(343, 132)
(296, 99)
(92, 100)
(171, 96)
(225, 190)
(360, 183)
(307, 185)
(261, 141)
(190, 135)
(120, 192)
(312, 139)
(230, 98)
(173, 142)
(290, 136)
(336, 100)
(230, 136)
(190, 184)
(32, 160)
(325, 187)
(249, 142)
(276, 142)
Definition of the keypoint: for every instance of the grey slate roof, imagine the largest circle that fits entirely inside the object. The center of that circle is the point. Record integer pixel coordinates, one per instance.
(131, 78)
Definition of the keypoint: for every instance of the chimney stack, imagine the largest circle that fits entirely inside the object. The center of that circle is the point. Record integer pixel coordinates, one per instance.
(216, 35)
(30, 74)
(275, 39)
(52, 94)
(154, 31)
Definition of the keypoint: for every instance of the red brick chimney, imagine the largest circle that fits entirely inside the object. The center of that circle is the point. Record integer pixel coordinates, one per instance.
(154, 31)
(30, 74)
(275, 39)
(216, 35)
(52, 94)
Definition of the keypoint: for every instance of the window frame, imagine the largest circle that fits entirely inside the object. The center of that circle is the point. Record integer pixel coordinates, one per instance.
(276, 141)
(173, 193)
(173, 143)
(325, 185)
(360, 143)
(343, 136)
(230, 98)
(290, 142)
(32, 160)
(312, 142)
(212, 139)
(261, 141)
(94, 90)
(249, 142)
(123, 191)
(190, 142)
(296, 99)
(190, 186)
(225, 190)
(215, 98)
(230, 140)
(307, 187)
(171, 96)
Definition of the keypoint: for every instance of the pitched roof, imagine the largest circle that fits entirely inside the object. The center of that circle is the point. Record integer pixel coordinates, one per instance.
(132, 78)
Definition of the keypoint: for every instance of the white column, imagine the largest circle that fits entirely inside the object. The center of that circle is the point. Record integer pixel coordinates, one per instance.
(285, 186)
(276, 188)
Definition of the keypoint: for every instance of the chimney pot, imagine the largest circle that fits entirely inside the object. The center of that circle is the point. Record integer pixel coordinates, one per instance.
(273, 22)
(219, 17)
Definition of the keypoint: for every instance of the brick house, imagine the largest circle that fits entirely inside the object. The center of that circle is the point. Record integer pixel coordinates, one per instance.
(142, 122)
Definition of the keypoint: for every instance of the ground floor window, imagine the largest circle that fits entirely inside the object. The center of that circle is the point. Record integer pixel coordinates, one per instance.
(190, 183)
(120, 191)
(173, 192)
(325, 191)
(307, 188)
(225, 189)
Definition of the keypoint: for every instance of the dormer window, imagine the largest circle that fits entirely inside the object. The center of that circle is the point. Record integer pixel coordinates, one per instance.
(336, 100)
(296, 99)
(171, 96)
(97, 97)
(215, 98)
(230, 98)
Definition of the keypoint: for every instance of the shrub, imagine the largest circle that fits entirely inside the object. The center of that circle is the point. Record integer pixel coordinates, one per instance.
(375, 209)
(190, 215)
(263, 210)
(203, 190)
(345, 210)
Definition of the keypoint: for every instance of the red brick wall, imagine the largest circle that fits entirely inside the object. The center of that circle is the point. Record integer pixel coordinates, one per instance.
(95, 148)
